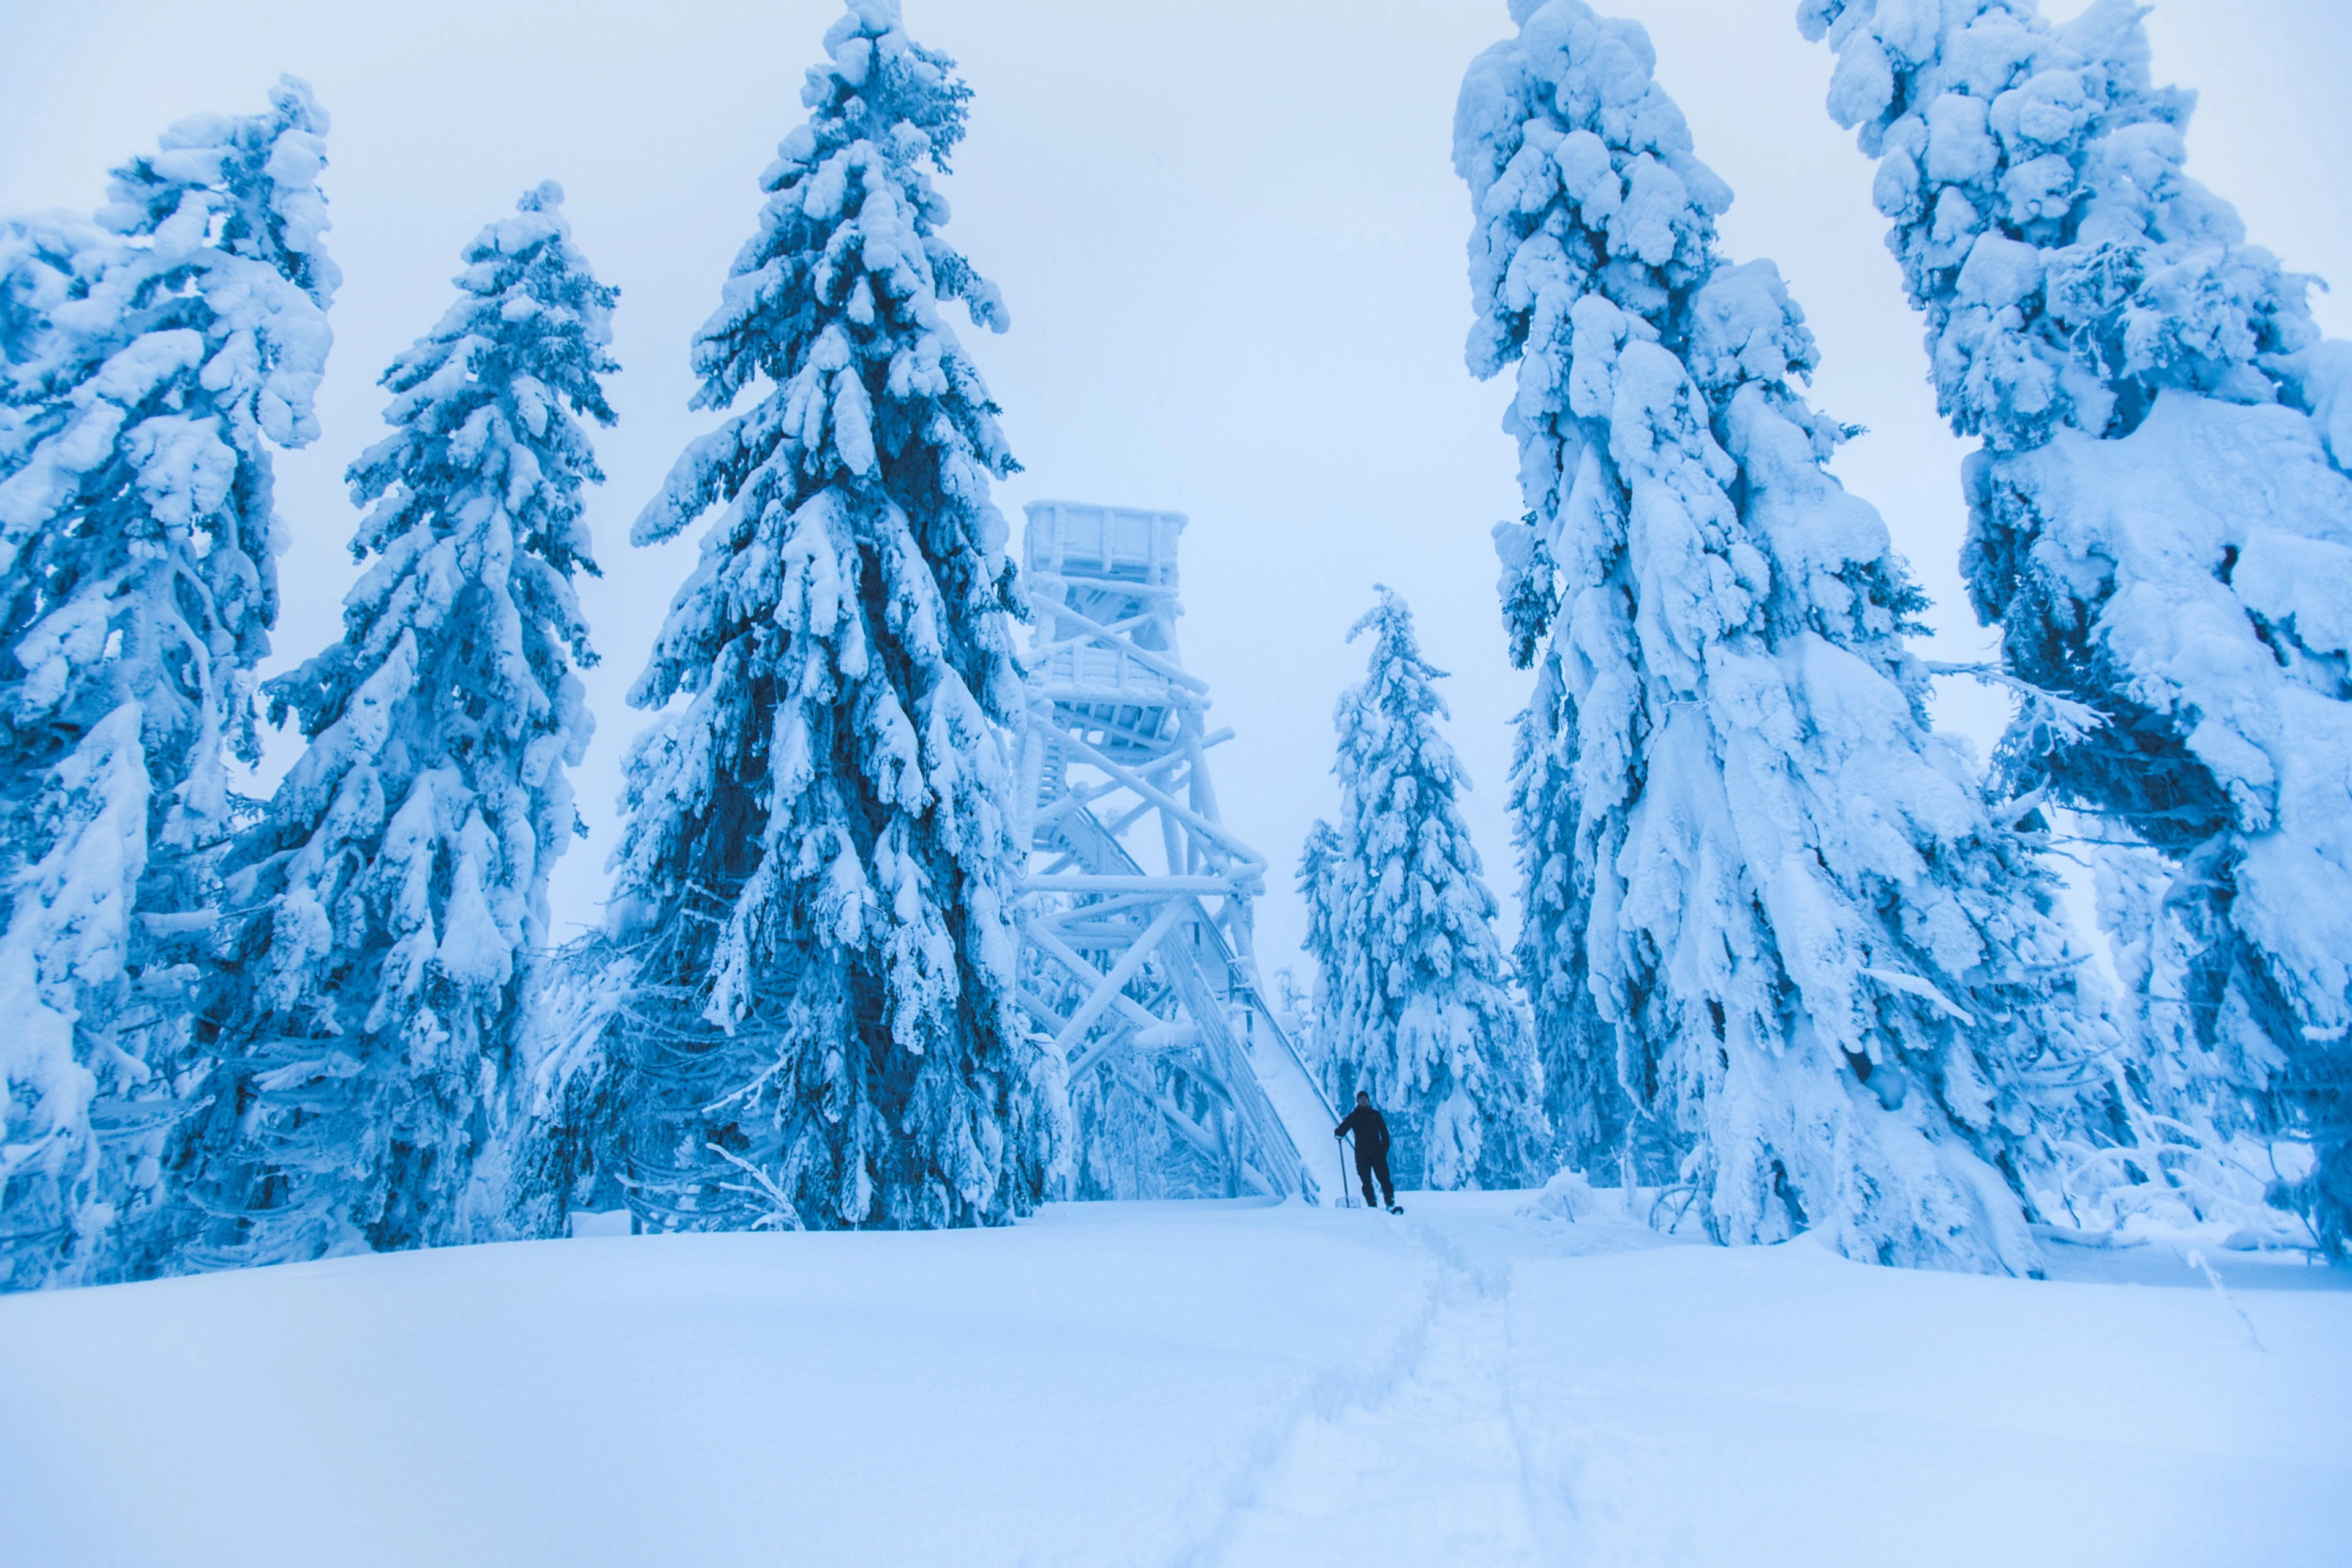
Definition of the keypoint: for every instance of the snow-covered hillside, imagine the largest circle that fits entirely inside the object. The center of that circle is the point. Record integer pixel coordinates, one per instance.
(1183, 1383)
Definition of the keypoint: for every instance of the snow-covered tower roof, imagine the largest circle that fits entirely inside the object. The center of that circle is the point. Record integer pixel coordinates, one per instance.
(1104, 544)
(1105, 653)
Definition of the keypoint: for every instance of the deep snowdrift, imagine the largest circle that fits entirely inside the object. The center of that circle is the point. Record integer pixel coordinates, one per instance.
(1156, 1384)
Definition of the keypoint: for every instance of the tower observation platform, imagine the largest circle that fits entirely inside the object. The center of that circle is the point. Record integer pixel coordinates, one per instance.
(1137, 958)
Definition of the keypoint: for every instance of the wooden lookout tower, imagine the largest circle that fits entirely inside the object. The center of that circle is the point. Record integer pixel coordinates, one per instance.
(1138, 958)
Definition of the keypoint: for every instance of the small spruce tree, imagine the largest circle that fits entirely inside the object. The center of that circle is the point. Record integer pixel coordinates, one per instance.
(1418, 1007)
(147, 364)
(392, 901)
(1325, 889)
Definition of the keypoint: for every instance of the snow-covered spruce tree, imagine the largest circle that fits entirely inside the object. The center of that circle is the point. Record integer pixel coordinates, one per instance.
(2161, 514)
(1418, 1005)
(389, 904)
(816, 875)
(147, 364)
(1325, 889)
(1826, 966)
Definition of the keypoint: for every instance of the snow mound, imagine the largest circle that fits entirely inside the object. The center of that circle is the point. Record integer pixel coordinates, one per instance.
(1566, 1196)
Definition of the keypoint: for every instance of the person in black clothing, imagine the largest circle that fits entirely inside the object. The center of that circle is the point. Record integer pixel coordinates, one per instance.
(1371, 1130)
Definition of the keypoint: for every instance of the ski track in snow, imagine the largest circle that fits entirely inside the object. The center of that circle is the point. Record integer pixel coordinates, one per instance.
(1432, 1470)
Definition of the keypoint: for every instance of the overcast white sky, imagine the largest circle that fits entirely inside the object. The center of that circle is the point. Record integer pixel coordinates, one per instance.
(1232, 241)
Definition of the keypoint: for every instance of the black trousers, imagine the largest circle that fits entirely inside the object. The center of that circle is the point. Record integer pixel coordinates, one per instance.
(1368, 1165)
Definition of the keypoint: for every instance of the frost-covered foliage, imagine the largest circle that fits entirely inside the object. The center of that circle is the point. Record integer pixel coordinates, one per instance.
(147, 363)
(2203, 1150)
(1828, 969)
(818, 862)
(2222, 1078)
(1595, 1125)
(2161, 515)
(1294, 1005)
(556, 1137)
(389, 903)
(1416, 1003)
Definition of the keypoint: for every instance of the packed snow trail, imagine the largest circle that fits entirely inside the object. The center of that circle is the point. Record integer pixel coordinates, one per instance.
(1431, 1472)
(1184, 1385)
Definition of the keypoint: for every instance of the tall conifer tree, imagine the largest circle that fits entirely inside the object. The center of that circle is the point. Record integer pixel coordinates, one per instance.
(817, 872)
(147, 364)
(2161, 516)
(390, 904)
(1833, 976)
(1416, 995)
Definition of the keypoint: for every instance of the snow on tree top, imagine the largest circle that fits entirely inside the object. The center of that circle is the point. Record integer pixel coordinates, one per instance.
(2067, 264)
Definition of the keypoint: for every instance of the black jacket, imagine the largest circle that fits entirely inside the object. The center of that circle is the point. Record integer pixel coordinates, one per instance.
(1371, 1130)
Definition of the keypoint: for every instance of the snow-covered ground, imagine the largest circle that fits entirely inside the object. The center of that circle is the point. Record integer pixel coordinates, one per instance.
(1182, 1382)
